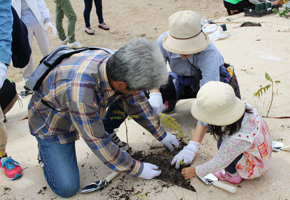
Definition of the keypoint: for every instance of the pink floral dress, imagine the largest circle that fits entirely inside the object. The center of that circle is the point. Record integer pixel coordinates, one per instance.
(253, 140)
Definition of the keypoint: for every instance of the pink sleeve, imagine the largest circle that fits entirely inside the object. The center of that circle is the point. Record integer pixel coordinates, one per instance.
(229, 150)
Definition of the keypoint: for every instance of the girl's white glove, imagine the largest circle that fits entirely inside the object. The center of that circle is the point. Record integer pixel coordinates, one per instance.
(51, 29)
(156, 101)
(186, 154)
(170, 141)
(3, 71)
(149, 171)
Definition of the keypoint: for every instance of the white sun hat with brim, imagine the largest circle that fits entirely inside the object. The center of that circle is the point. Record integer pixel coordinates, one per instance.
(185, 34)
(217, 104)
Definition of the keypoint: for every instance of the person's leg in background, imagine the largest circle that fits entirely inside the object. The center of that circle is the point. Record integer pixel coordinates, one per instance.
(99, 10)
(59, 14)
(72, 19)
(60, 167)
(42, 39)
(87, 13)
(10, 167)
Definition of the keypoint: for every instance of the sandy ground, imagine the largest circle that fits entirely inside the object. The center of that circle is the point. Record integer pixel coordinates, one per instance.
(252, 50)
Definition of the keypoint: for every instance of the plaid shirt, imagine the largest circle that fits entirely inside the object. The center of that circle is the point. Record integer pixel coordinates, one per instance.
(80, 92)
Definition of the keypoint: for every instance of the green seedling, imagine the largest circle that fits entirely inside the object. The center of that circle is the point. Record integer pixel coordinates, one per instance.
(170, 122)
(282, 14)
(263, 90)
(181, 162)
(122, 115)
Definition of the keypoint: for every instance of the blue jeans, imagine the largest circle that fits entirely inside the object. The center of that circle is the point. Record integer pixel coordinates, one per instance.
(60, 167)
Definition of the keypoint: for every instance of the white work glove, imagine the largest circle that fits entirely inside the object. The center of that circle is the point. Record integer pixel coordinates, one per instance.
(156, 101)
(149, 171)
(3, 71)
(186, 154)
(170, 141)
(51, 29)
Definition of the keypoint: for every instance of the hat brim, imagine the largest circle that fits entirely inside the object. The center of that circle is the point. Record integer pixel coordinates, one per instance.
(220, 120)
(186, 46)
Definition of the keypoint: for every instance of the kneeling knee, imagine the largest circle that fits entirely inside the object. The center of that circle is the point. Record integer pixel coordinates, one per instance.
(67, 190)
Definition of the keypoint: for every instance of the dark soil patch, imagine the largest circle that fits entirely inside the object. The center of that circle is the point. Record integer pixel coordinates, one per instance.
(250, 24)
(162, 158)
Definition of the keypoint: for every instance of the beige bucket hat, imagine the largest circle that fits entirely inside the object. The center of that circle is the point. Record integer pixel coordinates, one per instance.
(185, 34)
(217, 104)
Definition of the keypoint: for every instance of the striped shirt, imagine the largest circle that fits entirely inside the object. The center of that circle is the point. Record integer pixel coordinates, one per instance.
(80, 92)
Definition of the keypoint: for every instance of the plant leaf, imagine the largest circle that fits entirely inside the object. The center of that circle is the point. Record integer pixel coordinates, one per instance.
(175, 128)
(268, 77)
(165, 120)
(172, 125)
(277, 82)
(162, 115)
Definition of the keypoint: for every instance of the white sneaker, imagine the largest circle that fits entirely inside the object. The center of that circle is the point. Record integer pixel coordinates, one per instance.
(63, 42)
(75, 44)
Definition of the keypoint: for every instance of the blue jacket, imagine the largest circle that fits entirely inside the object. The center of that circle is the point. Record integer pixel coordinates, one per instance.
(6, 20)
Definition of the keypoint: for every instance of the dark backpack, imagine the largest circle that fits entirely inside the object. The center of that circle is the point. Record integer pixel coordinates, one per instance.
(49, 62)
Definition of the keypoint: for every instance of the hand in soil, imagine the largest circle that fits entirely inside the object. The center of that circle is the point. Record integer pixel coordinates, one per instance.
(170, 141)
(169, 174)
(186, 154)
(188, 172)
(149, 171)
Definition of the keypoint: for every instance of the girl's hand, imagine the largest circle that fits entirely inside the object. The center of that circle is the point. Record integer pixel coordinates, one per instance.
(188, 172)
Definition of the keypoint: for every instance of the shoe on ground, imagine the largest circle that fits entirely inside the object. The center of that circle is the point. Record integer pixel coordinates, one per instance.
(104, 26)
(169, 107)
(5, 119)
(89, 31)
(11, 168)
(225, 176)
(63, 42)
(116, 140)
(75, 44)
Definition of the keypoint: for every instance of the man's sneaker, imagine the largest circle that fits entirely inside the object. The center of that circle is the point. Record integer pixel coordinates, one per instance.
(63, 42)
(11, 168)
(226, 176)
(169, 107)
(75, 44)
(116, 140)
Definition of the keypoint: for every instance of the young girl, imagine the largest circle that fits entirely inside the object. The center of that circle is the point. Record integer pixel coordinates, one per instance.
(244, 140)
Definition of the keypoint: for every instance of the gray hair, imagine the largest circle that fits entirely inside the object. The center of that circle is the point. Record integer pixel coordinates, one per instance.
(140, 64)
